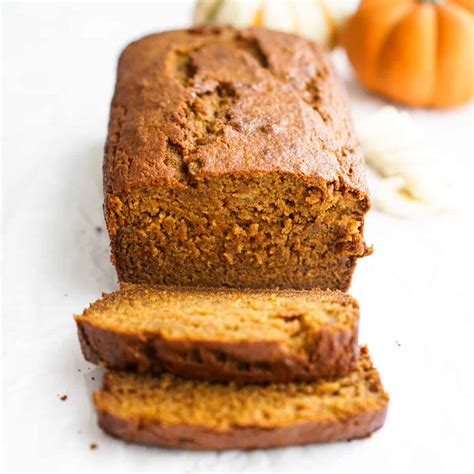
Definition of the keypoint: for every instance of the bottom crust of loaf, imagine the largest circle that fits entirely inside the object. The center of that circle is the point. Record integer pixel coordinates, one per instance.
(172, 412)
(199, 438)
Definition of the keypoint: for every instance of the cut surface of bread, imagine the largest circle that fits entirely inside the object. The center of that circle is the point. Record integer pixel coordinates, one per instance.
(175, 412)
(223, 334)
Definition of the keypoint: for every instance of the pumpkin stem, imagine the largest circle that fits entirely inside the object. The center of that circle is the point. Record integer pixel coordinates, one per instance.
(434, 2)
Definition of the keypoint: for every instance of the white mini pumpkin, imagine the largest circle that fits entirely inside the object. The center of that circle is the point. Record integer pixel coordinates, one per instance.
(317, 20)
(403, 177)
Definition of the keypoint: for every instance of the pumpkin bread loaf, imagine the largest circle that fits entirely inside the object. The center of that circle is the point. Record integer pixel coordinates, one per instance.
(170, 411)
(223, 334)
(231, 161)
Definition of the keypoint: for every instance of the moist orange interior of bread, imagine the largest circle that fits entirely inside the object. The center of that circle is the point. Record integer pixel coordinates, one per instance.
(170, 400)
(225, 315)
(264, 230)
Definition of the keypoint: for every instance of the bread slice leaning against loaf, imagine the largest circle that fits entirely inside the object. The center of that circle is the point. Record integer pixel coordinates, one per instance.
(223, 334)
(174, 412)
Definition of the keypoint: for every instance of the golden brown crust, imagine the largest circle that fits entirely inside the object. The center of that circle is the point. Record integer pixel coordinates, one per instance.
(278, 103)
(200, 438)
(330, 349)
(359, 409)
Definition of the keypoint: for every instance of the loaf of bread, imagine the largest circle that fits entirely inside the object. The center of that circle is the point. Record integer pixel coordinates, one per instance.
(169, 411)
(223, 334)
(231, 161)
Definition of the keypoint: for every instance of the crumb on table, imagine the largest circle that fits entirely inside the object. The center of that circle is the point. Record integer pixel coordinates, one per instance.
(93, 446)
(63, 398)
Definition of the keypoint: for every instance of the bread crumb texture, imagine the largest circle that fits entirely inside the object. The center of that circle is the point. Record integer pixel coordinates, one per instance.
(223, 314)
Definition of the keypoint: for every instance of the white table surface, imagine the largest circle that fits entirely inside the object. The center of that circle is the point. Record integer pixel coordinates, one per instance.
(415, 291)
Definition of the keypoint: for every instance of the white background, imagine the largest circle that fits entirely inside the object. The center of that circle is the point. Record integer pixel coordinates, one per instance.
(415, 291)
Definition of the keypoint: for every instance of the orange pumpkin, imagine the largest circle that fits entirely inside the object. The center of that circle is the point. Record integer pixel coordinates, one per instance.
(420, 52)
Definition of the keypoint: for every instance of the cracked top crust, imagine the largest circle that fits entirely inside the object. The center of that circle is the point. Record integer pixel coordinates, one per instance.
(211, 101)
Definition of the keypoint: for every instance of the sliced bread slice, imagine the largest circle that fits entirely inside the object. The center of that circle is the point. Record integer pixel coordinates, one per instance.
(223, 334)
(174, 412)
